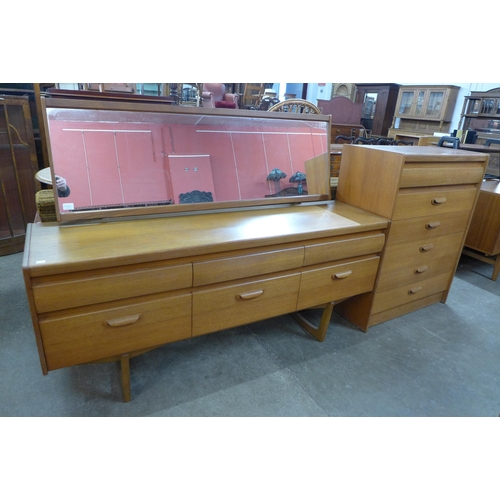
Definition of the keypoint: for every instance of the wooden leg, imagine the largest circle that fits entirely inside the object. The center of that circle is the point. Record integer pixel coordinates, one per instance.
(495, 261)
(317, 331)
(496, 268)
(125, 375)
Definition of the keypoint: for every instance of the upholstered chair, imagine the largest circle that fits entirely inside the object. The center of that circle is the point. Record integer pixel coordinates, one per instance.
(214, 96)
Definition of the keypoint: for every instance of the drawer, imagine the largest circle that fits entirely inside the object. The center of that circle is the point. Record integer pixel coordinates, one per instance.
(437, 174)
(416, 254)
(237, 304)
(55, 293)
(420, 228)
(343, 248)
(407, 275)
(92, 333)
(433, 201)
(410, 293)
(247, 265)
(336, 282)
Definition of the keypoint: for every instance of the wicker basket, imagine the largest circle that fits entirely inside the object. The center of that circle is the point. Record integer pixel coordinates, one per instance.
(45, 205)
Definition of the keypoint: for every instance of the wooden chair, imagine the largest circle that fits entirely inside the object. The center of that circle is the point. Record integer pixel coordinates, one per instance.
(296, 106)
(364, 140)
(455, 141)
(252, 95)
(341, 139)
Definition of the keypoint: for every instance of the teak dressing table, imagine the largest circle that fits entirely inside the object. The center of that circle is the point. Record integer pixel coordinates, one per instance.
(110, 283)
(124, 276)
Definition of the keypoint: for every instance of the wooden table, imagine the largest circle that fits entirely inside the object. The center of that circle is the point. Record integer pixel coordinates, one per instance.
(483, 237)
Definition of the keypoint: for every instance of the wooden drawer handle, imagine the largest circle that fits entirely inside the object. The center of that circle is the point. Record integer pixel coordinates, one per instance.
(426, 248)
(432, 225)
(438, 201)
(341, 276)
(421, 269)
(126, 320)
(413, 291)
(249, 295)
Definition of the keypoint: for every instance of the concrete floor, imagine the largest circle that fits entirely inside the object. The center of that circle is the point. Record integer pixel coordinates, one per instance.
(439, 361)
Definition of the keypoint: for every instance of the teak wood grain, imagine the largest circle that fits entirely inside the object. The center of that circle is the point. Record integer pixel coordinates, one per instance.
(111, 291)
(429, 194)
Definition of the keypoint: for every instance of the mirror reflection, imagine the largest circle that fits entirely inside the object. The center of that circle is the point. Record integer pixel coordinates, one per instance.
(112, 158)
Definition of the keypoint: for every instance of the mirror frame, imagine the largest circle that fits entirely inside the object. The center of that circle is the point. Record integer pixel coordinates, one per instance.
(320, 167)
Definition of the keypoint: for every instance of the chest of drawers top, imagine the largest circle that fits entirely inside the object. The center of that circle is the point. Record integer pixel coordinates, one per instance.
(374, 176)
(55, 249)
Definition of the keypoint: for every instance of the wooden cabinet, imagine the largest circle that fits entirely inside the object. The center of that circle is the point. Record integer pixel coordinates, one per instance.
(481, 114)
(483, 237)
(111, 291)
(429, 196)
(18, 166)
(379, 104)
(423, 110)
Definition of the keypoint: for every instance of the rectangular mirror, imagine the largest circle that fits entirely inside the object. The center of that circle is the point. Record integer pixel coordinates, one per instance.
(122, 158)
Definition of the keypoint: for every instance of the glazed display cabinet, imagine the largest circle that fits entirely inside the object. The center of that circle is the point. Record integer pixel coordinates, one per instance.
(481, 114)
(379, 104)
(422, 111)
(18, 166)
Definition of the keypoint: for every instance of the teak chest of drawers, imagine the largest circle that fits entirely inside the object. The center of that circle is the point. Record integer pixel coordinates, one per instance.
(113, 290)
(428, 194)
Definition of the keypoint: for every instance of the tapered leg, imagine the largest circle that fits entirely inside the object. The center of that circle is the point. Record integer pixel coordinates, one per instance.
(496, 268)
(125, 376)
(317, 331)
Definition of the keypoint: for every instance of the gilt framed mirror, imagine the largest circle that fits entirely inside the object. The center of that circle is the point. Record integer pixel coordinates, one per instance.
(119, 159)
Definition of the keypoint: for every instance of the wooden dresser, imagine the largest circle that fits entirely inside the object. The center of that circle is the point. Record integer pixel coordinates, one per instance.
(104, 291)
(428, 194)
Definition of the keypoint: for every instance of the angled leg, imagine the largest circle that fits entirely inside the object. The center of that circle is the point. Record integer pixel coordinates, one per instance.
(125, 376)
(317, 331)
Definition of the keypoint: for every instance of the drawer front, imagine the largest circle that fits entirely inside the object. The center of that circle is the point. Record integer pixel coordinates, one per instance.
(81, 289)
(225, 307)
(433, 201)
(421, 253)
(92, 333)
(328, 284)
(345, 248)
(409, 293)
(422, 228)
(409, 274)
(435, 174)
(245, 266)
